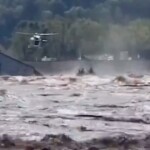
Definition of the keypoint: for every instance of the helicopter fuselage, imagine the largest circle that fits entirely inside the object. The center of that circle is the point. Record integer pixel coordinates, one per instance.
(36, 41)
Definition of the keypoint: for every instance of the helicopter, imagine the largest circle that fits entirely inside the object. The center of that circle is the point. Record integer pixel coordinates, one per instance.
(37, 40)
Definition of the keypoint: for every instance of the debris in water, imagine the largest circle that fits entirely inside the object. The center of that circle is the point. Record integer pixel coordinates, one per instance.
(63, 84)
(63, 138)
(93, 148)
(3, 92)
(56, 142)
(130, 82)
(135, 76)
(72, 79)
(82, 128)
(46, 125)
(24, 82)
(5, 78)
(29, 148)
(76, 94)
(6, 141)
(46, 149)
(120, 79)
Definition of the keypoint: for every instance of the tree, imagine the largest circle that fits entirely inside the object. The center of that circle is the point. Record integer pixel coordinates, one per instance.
(31, 10)
(57, 7)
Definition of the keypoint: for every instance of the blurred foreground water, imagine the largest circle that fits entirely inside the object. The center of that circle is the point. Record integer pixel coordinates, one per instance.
(80, 107)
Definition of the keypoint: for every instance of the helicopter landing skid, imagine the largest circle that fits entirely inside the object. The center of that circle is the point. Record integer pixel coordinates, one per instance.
(34, 47)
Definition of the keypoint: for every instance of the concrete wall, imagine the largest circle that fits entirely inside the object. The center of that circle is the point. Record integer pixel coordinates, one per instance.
(10, 66)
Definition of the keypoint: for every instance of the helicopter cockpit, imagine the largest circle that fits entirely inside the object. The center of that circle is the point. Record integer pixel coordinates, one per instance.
(37, 40)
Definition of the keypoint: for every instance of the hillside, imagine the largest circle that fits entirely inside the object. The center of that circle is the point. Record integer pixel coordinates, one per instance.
(85, 26)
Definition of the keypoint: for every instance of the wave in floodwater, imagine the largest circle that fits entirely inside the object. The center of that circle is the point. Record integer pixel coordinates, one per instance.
(82, 108)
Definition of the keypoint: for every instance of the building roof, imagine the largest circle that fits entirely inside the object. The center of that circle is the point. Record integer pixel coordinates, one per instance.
(14, 59)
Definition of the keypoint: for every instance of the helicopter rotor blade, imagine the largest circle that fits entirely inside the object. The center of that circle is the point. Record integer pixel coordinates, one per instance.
(48, 34)
(23, 33)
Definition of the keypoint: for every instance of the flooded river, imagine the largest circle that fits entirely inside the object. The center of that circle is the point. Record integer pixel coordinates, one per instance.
(81, 107)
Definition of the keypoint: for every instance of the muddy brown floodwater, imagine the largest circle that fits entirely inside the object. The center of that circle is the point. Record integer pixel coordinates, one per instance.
(75, 112)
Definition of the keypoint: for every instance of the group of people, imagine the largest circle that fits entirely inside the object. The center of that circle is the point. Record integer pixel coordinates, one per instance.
(82, 71)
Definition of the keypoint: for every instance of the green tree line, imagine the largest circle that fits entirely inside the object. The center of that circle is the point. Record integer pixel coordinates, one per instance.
(85, 27)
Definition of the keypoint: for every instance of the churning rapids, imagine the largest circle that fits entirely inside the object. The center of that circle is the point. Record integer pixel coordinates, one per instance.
(79, 112)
